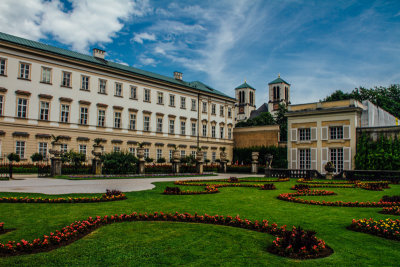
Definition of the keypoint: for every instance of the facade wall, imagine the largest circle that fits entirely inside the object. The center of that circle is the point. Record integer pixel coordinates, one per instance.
(55, 94)
(256, 136)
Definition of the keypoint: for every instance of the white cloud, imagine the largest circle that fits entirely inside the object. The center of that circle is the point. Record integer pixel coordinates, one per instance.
(88, 22)
(147, 61)
(139, 37)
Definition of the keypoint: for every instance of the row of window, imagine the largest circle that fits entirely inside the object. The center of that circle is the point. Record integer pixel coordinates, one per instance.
(66, 81)
(335, 133)
(82, 148)
(65, 110)
(335, 156)
(242, 97)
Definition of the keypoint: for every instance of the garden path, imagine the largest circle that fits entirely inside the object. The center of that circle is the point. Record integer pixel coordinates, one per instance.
(64, 186)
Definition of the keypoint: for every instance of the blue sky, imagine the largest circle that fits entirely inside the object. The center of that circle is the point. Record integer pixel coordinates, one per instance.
(317, 46)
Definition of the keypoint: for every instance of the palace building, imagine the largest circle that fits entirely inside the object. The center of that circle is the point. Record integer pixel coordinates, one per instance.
(46, 90)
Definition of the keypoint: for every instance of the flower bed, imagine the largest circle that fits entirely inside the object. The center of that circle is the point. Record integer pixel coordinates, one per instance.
(268, 187)
(209, 189)
(109, 196)
(387, 228)
(79, 229)
(391, 210)
(374, 186)
(293, 197)
(300, 186)
(299, 244)
(308, 181)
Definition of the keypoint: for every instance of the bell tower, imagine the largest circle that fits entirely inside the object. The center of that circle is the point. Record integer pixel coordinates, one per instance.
(245, 101)
(279, 93)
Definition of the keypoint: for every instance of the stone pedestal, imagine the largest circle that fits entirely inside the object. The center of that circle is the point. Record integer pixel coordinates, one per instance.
(254, 162)
(223, 162)
(141, 163)
(176, 161)
(96, 162)
(56, 159)
(199, 162)
(329, 175)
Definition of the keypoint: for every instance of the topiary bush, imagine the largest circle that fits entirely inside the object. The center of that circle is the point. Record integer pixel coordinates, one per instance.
(119, 163)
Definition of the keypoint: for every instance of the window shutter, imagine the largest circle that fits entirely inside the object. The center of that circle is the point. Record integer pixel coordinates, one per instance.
(294, 135)
(313, 133)
(324, 158)
(313, 158)
(346, 131)
(294, 158)
(347, 158)
(324, 133)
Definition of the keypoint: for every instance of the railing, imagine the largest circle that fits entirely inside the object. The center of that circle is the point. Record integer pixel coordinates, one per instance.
(293, 173)
(4, 171)
(370, 175)
(44, 169)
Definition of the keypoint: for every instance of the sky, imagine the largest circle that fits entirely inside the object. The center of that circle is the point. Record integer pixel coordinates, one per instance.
(316, 46)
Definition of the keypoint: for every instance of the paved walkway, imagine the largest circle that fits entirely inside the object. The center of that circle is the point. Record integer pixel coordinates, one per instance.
(63, 186)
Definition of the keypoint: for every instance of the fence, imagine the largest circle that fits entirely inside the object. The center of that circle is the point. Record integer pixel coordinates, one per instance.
(370, 175)
(293, 173)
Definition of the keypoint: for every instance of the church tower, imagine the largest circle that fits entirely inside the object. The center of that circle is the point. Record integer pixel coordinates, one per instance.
(279, 93)
(245, 101)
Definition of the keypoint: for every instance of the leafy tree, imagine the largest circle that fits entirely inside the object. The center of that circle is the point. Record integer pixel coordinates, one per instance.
(264, 118)
(149, 160)
(36, 157)
(281, 120)
(161, 160)
(74, 158)
(13, 157)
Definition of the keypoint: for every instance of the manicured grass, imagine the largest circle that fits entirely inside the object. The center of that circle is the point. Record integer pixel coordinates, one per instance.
(127, 177)
(154, 243)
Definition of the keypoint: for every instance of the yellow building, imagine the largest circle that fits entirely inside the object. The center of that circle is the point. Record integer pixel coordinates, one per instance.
(46, 90)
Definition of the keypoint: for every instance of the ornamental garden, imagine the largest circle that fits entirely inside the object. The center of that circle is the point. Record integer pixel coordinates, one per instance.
(248, 220)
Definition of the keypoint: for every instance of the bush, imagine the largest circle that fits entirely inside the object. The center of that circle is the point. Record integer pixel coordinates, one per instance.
(301, 187)
(172, 190)
(149, 160)
(119, 163)
(233, 180)
(390, 199)
(36, 157)
(13, 157)
(161, 160)
(268, 187)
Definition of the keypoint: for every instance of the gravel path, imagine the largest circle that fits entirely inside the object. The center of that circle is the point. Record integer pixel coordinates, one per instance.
(63, 186)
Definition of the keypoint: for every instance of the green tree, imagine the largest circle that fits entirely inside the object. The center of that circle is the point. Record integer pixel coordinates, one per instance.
(281, 120)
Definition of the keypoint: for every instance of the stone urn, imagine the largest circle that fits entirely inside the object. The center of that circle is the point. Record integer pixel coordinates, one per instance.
(97, 150)
(200, 156)
(254, 156)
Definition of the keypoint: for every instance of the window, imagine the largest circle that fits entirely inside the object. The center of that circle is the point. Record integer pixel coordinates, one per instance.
(305, 134)
(46, 75)
(160, 98)
(205, 155)
(305, 159)
(64, 148)
(85, 83)
(229, 133)
(1, 104)
(221, 111)
(66, 79)
(170, 156)
(3, 66)
(213, 131)
(193, 153)
(183, 102)
(101, 117)
(183, 127)
(116, 149)
(159, 153)
(183, 153)
(251, 98)
(221, 132)
(172, 100)
(117, 119)
(336, 157)
(83, 117)
(146, 95)
(193, 128)
(336, 132)
(44, 110)
(118, 89)
(43, 149)
(132, 150)
(64, 113)
(213, 109)
(102, 86)
(213, 156)
(171, 126)
(193, 105)
(204, 107)
(146, 123)
(159, 124)
(229, 112)
(146, 153)
(133, 92)
(132, 121)
(24, 70)
(20, 149)
(82, 149)
(204, 130)
(22, 108)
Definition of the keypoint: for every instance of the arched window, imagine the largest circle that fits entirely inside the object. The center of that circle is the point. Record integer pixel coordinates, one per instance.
(251, 98)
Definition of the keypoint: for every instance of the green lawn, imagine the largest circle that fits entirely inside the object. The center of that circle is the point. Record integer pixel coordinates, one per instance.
(154, 243)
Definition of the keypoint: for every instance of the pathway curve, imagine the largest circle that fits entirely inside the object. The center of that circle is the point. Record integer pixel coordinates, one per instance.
(64, 186)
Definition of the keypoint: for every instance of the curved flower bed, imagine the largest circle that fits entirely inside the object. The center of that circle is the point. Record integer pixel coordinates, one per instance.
(104, 198)
(395, 210)
(79, 229)
(325, 186)
(305, 181)
(294, 197)
(387, 228)
(209, 189)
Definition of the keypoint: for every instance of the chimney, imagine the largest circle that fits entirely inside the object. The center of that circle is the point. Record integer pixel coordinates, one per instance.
(178, 75)
(98, 53)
